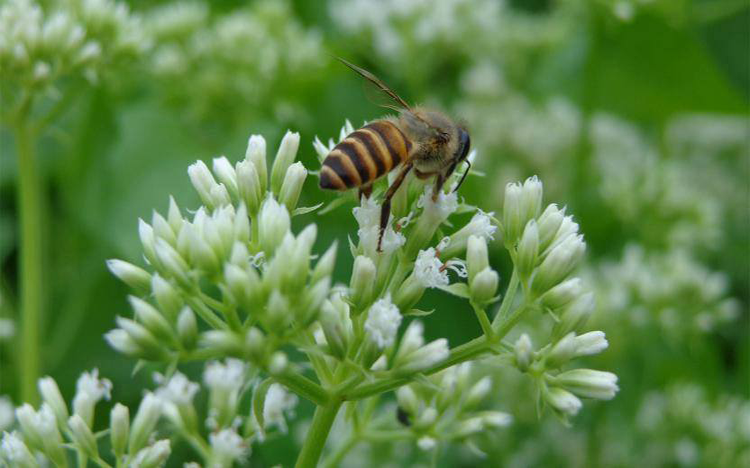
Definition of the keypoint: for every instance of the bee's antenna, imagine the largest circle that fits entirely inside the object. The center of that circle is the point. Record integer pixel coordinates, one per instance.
(463, 177)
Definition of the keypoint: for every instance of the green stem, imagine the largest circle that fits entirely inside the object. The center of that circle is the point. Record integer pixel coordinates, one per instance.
(317, 434)
(510, 294)
(304, 387)
(483, 321)
(32, 294)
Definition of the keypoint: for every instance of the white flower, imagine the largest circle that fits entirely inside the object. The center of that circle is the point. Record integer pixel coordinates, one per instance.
(6, 412)
(155, 454)
(368, 217)
(428, 269)
(382, 322)
(439, 210)
(14, 450)
(278, 401)
(426, 443)
(227, 445)
(90, 389)
(229, 375)
(176, 390)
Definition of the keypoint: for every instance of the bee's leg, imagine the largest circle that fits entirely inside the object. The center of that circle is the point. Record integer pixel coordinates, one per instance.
(385, 211)
(439, 181)
(365, 191)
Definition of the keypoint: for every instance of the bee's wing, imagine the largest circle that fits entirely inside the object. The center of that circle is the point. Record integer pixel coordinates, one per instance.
(378, 84)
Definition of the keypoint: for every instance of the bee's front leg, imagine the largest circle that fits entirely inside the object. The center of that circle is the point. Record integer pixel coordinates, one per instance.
(385, 210)
(439, 181)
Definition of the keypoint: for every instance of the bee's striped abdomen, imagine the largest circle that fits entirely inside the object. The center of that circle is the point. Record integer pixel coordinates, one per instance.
(364, 156)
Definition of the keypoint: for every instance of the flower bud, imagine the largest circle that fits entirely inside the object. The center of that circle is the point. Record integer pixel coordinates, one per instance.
(162, 228)
(426, 418)
(284, 158)
(469, 426)
(120, 341)
(337, 326)
(496, 419)
(527, 250)
(201, 253)
(362, 281)
(563, 294)
(558, 264)
(590, 343)
(412, 340)
(426, 443)
(409, 292)
(484, 286)
(174, 217)
(278, 363)
(523, 352)
(187, 328)
(51, 395)
(313, 299)
(148, 345)
(434, 213)
(325, 265)
(244, 285)
(522, 204)
(225, 341)
(241, 224)
(278, 312)
(146, 234)
(273, 224)
(82, 436)
(151, 318)
(549, 223)
(135, 277)
(424, 357)
(562, 352)
(14, 450)
(226, 174)
(562, 401)
(256, 154)
(531, 199)
(144, 422)
(407, 399)
(28, 420)
(248, 186)
(480, 225)
(292, 185)
(119, 427)
(589, 383)
(255, 342)
(203, 182)
(299, 264)
(153, 456)
(172, 262)
(167, 297)
(476, 256)
(478, 392)
(575, 316)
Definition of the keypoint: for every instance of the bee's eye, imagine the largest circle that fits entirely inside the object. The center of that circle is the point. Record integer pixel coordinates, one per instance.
(463, 145)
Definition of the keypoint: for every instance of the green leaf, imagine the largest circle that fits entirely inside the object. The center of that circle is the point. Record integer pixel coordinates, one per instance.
(419, 313)
(457, 289)
(306, 209)
(259, 401)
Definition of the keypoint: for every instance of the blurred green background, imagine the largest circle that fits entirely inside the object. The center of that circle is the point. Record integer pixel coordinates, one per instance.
(634, 114)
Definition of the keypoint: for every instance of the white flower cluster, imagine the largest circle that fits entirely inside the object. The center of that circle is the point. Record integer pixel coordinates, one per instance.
(233, 60)
(43, 435)
(40, 43)
(669, 290)
(448, 407)
(241, 239)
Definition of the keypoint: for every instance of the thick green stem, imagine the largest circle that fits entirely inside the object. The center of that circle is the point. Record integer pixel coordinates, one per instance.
(304, 387)
(317, 434)
(30, 262)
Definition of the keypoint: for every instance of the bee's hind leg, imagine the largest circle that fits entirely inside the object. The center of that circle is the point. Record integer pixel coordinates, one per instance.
(385, 211)
(365, 191)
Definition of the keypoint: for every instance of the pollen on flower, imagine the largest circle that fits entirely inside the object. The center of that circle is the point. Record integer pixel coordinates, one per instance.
(383, 321)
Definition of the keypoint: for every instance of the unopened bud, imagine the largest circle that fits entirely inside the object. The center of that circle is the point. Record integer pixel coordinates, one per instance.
(424, 357)
(523, 352)
(562, 401)
(166, 295)
(119, 427)
(148, 241)
(562, 352)
(590, 343)
(174, 217)
(325, 264)
(225, 341)
(478, 392)
(144, 422)
(51, 395)
(226, 174)
(135, 277)
(589, 383)
(337, 326)
(574, 316)
(148, 345)
(362, 281)
(558, 264)
(174, 265)
(153, 456)
(484, 286)
(284, 158)
(273, 224)
(249, 186)
(82, 436)
(278, 363)
(527, 250)
(151, 318)
(203, 182)
(162, 228)
(187, 328)
(256, 154)
(292, 185)
(476, 256)
(549, 223)
(563, 294)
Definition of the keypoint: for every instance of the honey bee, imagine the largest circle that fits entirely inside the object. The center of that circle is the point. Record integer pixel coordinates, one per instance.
(419, 139)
